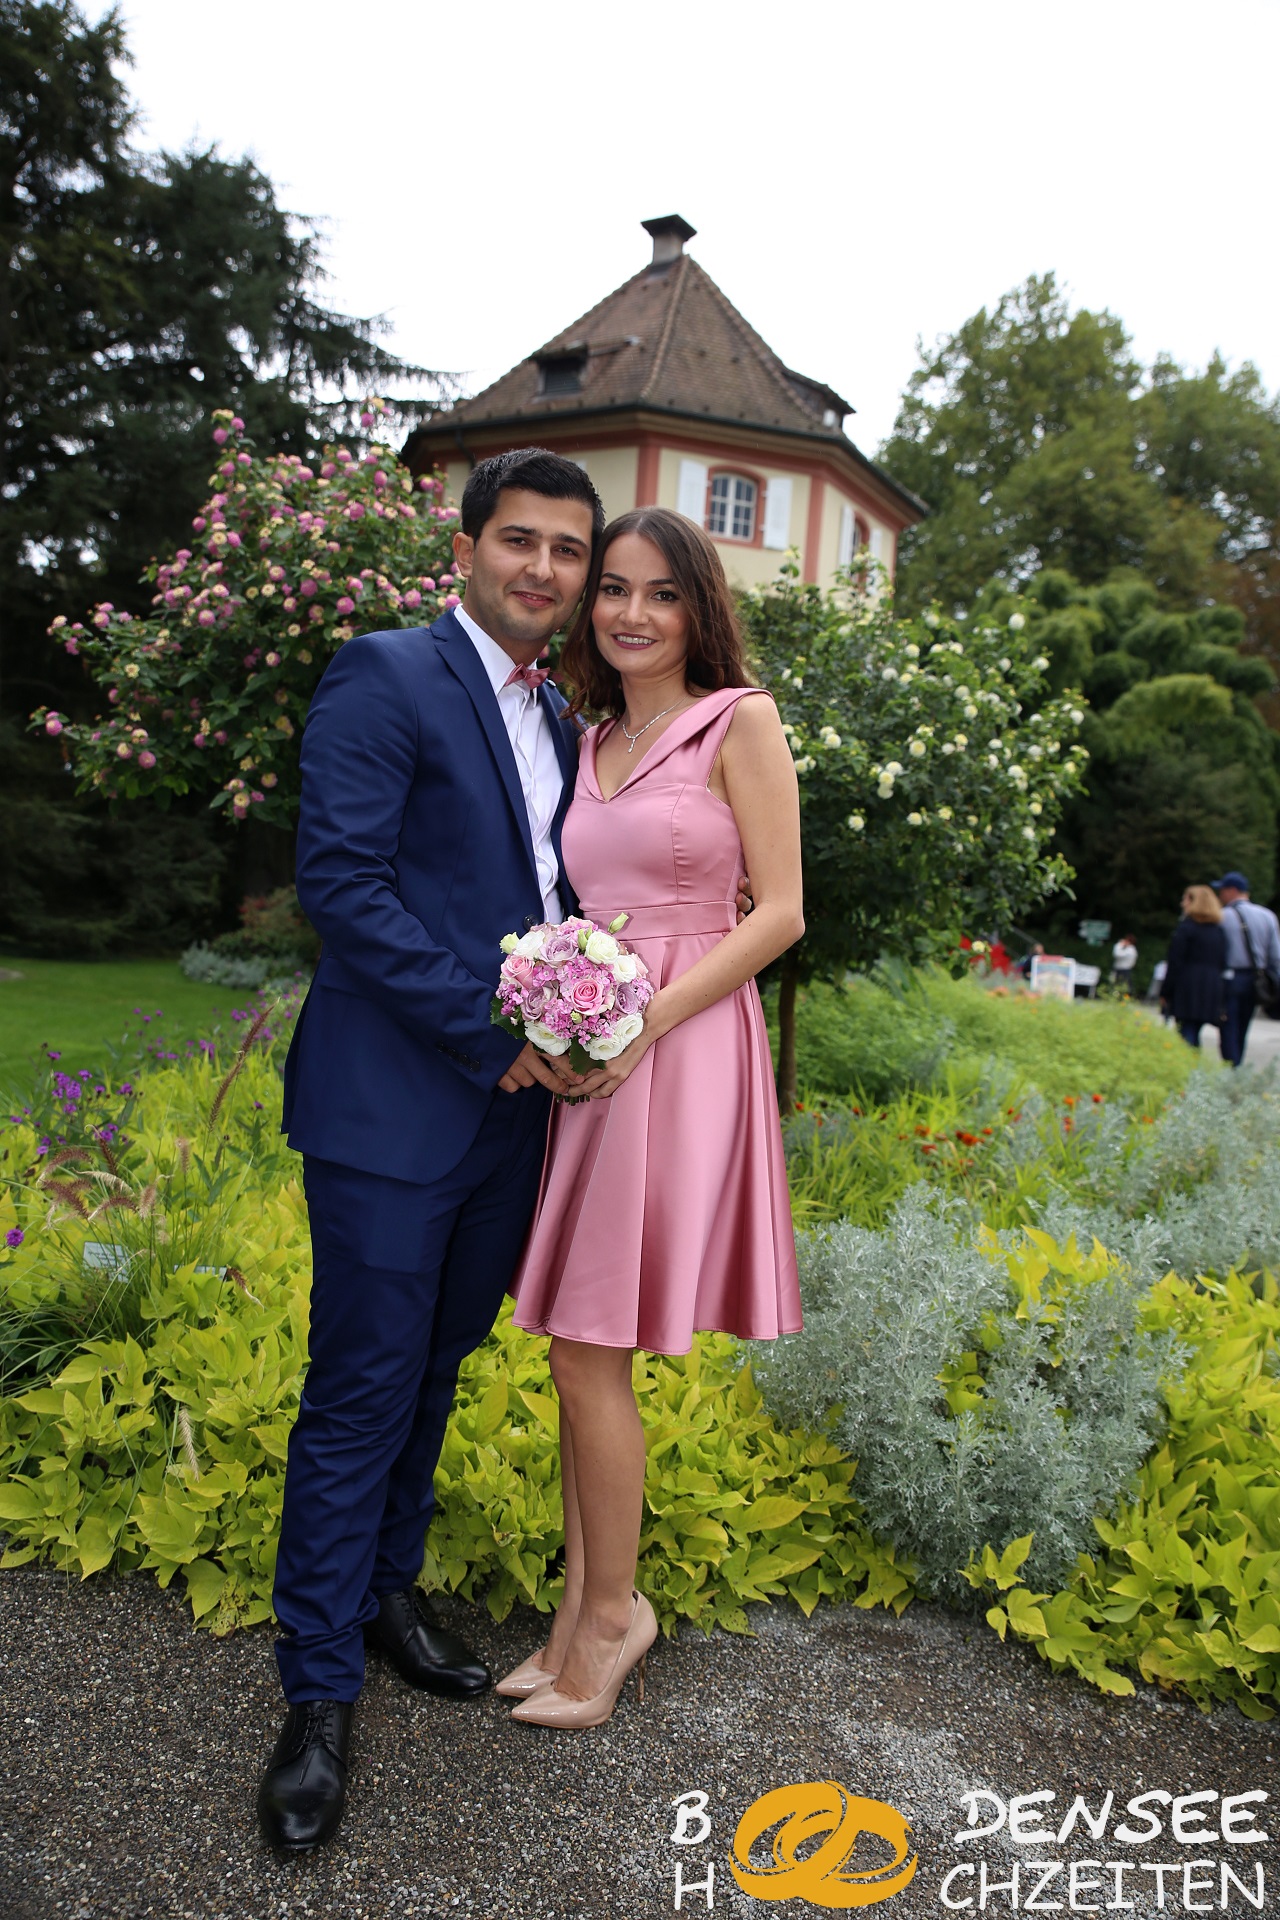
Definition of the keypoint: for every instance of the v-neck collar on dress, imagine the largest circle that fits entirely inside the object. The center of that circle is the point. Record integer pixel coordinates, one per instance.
(657, 752)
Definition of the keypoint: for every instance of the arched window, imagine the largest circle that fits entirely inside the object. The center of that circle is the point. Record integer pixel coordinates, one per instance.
(731, 507)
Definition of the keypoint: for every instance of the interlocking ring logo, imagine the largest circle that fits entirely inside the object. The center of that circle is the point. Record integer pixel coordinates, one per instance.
(804, 1811)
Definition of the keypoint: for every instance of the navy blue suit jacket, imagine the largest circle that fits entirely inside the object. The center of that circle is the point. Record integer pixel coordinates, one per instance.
(414, 858)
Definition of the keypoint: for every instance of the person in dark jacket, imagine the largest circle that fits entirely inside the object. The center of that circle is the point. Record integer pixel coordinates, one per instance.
(1194, 991)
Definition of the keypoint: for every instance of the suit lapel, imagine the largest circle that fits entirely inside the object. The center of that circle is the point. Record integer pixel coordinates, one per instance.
(565, 736)
(465, 663)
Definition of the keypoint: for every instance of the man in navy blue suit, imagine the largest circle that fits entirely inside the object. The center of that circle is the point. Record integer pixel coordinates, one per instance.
(437, 766)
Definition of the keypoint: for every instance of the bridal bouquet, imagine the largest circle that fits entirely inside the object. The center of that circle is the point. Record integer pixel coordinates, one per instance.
(573, 988)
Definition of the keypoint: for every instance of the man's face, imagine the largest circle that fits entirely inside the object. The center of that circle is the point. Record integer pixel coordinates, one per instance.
(526, 571)
(1229, 895)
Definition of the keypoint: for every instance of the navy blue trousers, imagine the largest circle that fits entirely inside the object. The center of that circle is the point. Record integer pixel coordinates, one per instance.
(1241, 1000)
(407, 1281)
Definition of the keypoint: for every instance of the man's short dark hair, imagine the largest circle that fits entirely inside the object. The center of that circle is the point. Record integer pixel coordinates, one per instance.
(537, 470)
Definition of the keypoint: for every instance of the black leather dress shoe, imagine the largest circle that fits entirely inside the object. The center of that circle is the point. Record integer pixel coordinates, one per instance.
(423, 1653)
(301, 1793)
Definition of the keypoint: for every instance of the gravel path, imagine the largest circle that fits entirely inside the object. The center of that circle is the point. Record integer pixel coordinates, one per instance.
(132, 1746)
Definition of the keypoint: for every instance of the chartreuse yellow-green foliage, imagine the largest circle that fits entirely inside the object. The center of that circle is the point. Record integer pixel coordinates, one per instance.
(149, 1392)
(160, 1441)
(1187, 1587)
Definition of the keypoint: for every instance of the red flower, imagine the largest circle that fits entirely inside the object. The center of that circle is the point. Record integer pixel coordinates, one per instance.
(1097, 1099)
(968, 1139)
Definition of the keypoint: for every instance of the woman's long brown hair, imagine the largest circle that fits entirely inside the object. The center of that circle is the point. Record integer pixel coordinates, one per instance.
(716, 657)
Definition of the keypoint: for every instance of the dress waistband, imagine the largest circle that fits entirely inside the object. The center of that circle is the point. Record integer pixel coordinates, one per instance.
(668, 922)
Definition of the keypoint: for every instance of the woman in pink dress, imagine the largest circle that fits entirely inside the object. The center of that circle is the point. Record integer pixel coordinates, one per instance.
(663, 1208)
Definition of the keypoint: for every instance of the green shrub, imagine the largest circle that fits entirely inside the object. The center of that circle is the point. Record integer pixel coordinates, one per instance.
(985, 1393)
(863, 1039)
(1109, 1047)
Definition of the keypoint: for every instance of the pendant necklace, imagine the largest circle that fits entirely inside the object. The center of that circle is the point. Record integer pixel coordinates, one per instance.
(633, 737)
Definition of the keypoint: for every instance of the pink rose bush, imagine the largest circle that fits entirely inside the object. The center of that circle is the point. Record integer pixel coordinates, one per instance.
(573, 988)
(286, 563)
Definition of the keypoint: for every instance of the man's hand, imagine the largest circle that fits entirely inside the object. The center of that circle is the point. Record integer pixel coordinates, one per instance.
(746, 899)
(530, 1067)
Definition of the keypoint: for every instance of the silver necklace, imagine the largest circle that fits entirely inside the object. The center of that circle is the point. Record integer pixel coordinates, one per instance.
(633, 737)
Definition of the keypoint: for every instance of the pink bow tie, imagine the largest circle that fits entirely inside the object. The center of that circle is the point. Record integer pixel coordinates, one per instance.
(526, 677)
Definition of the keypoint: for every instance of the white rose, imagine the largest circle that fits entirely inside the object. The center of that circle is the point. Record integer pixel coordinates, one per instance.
(962, 741)
(890, 673)
(948, 746)
(602, 948)
(856, 822)
(916, 749)
(508, 943)
(1017, 621)
(1036, 807)
(944, 813)
(1076, 715)
(971, 712)
(915, 819)
(624, 968)
(609, 1045)
(912, 651)
(1041, 663)
(543, 1038)
(531, 944)
(893, 769)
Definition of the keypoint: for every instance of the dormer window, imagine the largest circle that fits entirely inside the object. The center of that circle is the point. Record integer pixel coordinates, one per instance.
(562, 373)
(731, 507)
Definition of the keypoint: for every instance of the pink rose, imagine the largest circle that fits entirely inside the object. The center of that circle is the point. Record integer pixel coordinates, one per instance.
(586, 994)
(533, 1004)
(520, 968)
(53, 725)
(220, 436)
(146, 758)
(628, 997)
(559, 947)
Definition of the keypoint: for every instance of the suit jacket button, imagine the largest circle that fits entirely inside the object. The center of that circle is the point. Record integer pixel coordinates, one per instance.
(529, 922)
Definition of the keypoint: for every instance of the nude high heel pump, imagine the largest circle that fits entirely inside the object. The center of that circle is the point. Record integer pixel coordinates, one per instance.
(526, 1678)
(547, 1708)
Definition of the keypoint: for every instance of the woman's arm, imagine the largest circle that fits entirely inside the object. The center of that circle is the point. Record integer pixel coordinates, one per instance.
(760, 781)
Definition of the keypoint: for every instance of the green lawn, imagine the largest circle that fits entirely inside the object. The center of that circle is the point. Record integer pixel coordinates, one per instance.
(82, 1007)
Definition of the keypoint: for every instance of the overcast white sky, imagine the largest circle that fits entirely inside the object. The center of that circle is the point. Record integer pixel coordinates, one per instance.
(859, 175)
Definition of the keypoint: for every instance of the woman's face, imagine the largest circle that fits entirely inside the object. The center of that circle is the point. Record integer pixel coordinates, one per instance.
(641, 623)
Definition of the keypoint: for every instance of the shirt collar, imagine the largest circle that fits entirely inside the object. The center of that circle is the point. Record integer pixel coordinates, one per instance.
(497, 664)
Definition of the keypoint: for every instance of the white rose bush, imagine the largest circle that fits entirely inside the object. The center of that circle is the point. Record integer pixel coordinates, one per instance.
(933, 765)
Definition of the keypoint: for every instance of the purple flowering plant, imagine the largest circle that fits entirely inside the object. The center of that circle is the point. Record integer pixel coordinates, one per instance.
(287, 561)
(572, 988)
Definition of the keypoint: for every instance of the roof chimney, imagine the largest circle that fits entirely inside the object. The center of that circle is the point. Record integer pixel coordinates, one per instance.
(669, 235)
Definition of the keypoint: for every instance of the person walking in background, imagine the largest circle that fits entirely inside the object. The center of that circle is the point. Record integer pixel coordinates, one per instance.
(1124, 958)
(1194, 985)
(1253, 947)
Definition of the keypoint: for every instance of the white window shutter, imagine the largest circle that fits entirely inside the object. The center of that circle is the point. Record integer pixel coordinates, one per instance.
(877, 543)
(777, 513)
(844, 552)
(691, 499)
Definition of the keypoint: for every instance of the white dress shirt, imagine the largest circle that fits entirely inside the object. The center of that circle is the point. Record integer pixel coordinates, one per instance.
(541, 780)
